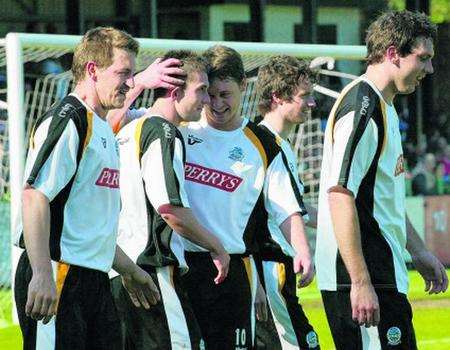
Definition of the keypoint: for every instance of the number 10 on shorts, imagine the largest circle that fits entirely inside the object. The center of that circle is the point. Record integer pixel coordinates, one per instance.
(241, 339)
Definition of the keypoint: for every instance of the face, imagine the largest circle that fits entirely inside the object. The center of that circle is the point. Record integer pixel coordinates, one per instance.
(223, 111)
(415, 66)
(297, 109)
(113, 82)
(193, 97)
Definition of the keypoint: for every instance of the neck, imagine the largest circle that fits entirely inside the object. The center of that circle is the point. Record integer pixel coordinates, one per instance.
(279, 123)
(379, 75)
(89, 96)
(165, 108)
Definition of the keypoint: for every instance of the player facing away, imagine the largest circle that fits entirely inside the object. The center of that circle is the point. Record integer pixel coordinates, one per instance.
(71, 207)
(363, 230)
(233, 169)
(285, 87)
(155, 205)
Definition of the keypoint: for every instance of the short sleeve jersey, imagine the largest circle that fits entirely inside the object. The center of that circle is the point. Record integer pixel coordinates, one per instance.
(73, 160)
(230, 177)
(273, 244)
(152, 174)
(363, 154)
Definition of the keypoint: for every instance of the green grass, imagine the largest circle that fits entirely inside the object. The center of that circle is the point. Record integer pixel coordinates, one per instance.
(431, 318)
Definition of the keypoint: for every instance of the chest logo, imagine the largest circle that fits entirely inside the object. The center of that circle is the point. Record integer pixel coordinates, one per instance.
(103, 142)
(211, 177)
(399, 167)
(236, 154)
(108, 178)
(192, 140)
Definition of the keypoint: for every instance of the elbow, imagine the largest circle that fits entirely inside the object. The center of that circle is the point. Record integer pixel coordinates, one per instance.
(173, 216)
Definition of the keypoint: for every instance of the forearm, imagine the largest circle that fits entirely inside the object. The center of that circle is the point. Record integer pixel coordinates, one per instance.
(36, 229)
(122, 263)
(183, 222)
(312, 213)
(348, 236)
(293, 229)
(414, 243)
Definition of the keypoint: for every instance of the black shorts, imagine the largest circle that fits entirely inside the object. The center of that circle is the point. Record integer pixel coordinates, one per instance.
(395, 330)
(86, 317)
(170, 324)
(225, 312)
(287, 327)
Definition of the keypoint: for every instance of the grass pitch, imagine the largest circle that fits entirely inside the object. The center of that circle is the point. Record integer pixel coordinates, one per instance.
(431, 317)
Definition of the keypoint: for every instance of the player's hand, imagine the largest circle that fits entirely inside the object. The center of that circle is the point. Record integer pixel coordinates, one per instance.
(432, 271)
(222, 262)
(42, 298)
(365, 307)
(141, 288)
(261, 303)
(304, 266)
(161, 75)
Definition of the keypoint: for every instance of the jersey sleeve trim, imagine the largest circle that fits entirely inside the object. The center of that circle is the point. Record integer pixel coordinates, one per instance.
(257, 143)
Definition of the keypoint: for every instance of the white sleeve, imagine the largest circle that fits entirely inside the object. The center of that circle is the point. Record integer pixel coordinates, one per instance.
(49, 170)
(162, 169)
(354, 148)
(281, 193)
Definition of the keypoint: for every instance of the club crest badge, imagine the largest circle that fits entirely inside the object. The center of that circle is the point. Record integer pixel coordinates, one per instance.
(236, 154)
(311, 339)
(394, 336)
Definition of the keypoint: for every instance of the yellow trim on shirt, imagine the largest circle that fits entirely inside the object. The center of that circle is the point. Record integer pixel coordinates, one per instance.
(254, 139)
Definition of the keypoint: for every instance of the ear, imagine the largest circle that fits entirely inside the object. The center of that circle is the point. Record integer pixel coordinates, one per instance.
(175, 93)
(91, 70)
(276, 99)
(392, 55)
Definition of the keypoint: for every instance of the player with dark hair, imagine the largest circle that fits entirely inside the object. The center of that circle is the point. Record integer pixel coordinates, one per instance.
(155, 213)
(363, 230)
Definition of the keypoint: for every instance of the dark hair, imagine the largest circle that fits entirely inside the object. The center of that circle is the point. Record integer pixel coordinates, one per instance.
(399, 29)
(226, 63)
(282, 76)
(191, 63)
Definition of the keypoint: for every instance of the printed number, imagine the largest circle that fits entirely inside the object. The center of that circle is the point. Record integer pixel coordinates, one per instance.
(241, 337)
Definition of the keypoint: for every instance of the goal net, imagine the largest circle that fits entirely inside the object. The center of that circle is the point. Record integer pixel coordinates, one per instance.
(31, 93)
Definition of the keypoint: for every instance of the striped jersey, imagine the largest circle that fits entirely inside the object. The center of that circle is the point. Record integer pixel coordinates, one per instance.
(73, 160)
(272, 243)
(230, 177)
(152, 159)
(363, 153)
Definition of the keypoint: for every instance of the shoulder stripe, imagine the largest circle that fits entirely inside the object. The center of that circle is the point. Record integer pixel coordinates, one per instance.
(257, 143)
(337, 104)
(385, 133)
(89, 120)
(137, 136)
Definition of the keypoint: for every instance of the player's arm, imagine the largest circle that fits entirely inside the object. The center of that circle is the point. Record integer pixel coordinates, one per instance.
(293, 229)
(353, 154)
(182, 220)
(137, 282)
(51, 164)
(284, 204)
(163, 173)
(41, 301)
(157, 75)
(426, 263)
